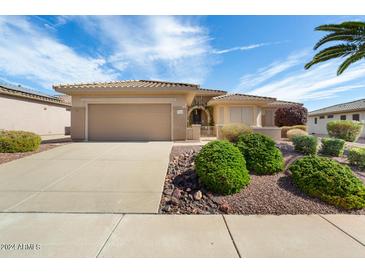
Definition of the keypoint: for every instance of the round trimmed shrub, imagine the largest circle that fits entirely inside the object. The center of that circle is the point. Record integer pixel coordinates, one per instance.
(295, 132)
(291, 115)
(357, 157)
(285, 129)
(305, 144)
(13, 141)
(231, 132)
(221, 168)
(260, 153)
(332, 146)
(344, 129)
(329, 181)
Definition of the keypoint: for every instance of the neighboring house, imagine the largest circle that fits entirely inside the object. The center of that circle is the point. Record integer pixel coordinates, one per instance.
(318, 119)
(28, 110)
(156, 110)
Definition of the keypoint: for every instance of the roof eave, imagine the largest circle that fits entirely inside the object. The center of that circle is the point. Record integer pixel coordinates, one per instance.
(74, 90)
(335, 112)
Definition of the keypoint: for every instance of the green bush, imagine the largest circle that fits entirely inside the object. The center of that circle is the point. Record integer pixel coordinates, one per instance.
(260, 153)
(329, 181)
(332, 146)
(231, 132)
(305, 144)
(221, 168)
(344, 129)
(357, 157)
(295, 132)
(285, 129)
(18, 141)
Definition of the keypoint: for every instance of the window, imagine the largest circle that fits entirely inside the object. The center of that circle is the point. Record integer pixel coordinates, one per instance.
(321, 117)
(356, 117)
(315, 120)
(329, 116)
(343, 117)
(241, 115)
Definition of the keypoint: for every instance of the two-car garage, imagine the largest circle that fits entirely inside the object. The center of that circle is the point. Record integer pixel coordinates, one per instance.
(129, 122)
(131, 110)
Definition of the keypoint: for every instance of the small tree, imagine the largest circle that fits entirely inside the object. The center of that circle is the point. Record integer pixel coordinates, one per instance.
(290, 116)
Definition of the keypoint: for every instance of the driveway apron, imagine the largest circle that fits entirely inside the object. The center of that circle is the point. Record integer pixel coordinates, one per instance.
(110, 177)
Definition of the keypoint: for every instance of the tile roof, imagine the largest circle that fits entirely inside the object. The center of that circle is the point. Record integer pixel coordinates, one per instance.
(278, 103)
(214, 91)
(19, 91)
(344, 107)
(128, 84)
(240, 96)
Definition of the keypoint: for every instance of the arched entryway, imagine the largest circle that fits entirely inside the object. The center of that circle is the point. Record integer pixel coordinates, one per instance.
(199, 115)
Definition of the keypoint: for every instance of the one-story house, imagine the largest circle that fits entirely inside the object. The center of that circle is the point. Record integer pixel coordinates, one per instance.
(318, 119)
(157, 110)
(29, 110)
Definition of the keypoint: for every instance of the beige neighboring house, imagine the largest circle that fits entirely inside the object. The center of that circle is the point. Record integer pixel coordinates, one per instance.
(141, 110)
(318, 119)
(28, 110)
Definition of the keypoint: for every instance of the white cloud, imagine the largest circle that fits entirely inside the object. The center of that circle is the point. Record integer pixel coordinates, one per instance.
(288, 80)
(166, 47)
(32, 53)
(247, 47)
(248, 81)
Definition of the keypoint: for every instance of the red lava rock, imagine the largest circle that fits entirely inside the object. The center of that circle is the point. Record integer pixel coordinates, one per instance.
(176, 193)
(224, 207)
(174, 201)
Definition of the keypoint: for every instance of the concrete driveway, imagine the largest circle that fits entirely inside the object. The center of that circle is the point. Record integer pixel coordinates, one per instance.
(87, 177)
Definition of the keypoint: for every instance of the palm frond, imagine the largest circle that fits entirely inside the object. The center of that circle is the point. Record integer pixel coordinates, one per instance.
(341, 27)
(342, 48)
(319, 59)
(351, 33)
(334, 37)
(352, 59)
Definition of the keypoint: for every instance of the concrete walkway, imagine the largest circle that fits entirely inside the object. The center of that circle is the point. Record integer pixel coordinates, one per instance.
(144, 235)
(87, 177)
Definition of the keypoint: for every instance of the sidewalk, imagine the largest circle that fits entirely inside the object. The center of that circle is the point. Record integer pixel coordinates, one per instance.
(146, 235)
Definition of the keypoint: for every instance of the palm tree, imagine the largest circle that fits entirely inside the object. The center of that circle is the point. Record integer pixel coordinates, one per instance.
(352, 37)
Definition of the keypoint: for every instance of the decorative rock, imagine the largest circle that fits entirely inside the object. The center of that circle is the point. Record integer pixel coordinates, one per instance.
(198, 195)
(224, 207)
(176, 193)
(167, 208)
(174, 201)
(168, 191)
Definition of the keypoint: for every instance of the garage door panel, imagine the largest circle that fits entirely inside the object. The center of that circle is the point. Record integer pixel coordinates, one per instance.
(129, 122)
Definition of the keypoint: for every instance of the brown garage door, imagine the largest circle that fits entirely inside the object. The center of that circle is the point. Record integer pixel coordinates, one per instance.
(129, 122)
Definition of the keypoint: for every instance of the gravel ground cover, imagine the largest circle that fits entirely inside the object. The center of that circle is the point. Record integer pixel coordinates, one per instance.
(7, 157)
(269, 194)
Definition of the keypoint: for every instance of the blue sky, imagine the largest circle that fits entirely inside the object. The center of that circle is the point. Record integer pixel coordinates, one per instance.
(262, 55)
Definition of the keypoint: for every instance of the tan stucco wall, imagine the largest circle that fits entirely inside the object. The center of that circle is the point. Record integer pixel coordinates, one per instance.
(268, 117)
(35, 116)
(178, 103)
(321, 126)
(273, 132)
(78, 123)
(179, 122)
